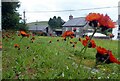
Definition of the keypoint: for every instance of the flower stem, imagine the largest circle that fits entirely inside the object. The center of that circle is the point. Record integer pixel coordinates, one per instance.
(90, 39)
(85, 47)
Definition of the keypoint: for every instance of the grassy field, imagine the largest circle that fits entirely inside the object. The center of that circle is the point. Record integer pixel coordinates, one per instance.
(55, 60)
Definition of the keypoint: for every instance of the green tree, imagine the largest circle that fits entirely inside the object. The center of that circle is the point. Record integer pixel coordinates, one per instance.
(51, 23)
(10, 16)
(55, 22)
(60, 22)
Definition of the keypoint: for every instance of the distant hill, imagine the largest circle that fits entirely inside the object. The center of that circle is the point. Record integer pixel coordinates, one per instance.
(45, 23)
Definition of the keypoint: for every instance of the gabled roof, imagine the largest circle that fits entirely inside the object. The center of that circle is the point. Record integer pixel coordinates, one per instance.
(75, 22)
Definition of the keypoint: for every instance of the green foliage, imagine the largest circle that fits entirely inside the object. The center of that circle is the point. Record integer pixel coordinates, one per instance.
(10, 16)
(55, 22)
(107, 32)
(22, 26)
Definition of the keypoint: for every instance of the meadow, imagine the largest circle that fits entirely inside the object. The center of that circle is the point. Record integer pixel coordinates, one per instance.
(54, 58)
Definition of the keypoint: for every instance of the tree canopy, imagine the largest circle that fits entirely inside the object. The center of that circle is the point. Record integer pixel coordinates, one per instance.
(55, 22)
(10, 16)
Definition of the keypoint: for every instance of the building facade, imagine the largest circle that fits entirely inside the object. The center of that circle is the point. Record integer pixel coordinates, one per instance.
(75, 23)
(37, 26)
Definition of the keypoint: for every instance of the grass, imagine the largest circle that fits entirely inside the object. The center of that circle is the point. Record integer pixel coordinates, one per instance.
(56, 60)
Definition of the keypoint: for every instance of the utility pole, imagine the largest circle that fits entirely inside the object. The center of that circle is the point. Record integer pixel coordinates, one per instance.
(24, 17)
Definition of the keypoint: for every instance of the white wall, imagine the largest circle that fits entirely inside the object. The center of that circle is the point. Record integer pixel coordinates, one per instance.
(115, 33)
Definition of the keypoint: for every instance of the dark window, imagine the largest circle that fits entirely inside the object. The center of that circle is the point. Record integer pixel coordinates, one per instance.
(119, 28)
(118, 34)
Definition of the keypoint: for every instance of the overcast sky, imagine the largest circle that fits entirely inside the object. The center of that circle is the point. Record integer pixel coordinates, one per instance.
(33, 6)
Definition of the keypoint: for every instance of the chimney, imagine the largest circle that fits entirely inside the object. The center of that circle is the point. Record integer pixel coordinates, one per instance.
(70, 17)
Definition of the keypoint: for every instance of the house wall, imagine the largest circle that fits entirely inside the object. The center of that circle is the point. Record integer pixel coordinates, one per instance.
(79, 32)
(115, 32)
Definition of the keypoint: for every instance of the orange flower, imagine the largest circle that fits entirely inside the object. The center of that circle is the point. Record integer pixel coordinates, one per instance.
(71, 36)
(101, 50)
(91, 44)
(68, 34)
(112, 58)
(24, 34)
(106, 56)
(106, 22)
(87, 38)
(96, 19)
(84, 42)
(93, 16)
(16, 46)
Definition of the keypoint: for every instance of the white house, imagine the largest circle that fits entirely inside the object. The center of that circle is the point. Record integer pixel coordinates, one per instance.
(78, 23)
(82, 27)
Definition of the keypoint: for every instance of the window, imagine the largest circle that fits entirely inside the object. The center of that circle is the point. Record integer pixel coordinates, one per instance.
(118, 34)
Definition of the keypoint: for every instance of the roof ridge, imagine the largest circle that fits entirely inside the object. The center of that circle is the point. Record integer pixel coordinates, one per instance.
(79, 21)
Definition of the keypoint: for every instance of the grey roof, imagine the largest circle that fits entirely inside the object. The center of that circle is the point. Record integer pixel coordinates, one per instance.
(37, 28)
(75, 22)
(41, 26)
